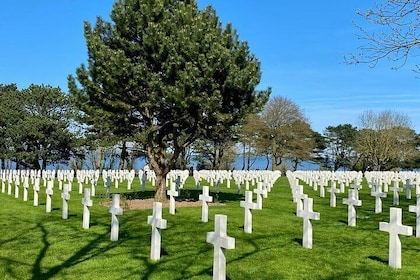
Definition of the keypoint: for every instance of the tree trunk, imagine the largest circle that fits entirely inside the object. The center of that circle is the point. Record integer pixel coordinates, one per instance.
(160, 194)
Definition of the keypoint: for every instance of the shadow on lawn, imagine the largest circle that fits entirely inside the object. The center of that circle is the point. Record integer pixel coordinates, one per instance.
(90, 250)
(184, 195)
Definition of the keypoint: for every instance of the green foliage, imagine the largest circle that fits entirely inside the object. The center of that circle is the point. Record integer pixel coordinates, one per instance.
(39, 245)
(340, 146)
(36, 126)
(165, 74)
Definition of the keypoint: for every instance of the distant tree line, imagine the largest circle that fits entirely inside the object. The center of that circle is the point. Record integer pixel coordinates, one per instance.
(40, 126)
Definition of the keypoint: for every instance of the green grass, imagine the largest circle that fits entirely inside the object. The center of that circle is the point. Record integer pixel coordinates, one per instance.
(39, 245)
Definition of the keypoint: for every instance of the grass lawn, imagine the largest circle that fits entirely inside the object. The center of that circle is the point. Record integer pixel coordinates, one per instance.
(39, 245)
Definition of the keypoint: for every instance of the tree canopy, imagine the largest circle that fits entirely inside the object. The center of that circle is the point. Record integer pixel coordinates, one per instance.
(166, 73)
(35, 126)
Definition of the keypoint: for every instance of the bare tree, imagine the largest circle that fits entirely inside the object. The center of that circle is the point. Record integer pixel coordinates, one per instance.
(385, 139)
(285, 132)
(395, 36)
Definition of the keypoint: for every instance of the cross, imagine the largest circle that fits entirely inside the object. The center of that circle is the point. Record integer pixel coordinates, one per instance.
(49, 191)
(65, 196)
(333, 190)
(408, 186)
(115, 211)
(322, 187)
(205, 197)
(221, 242)
(351, 201)
(394, 227)
(396, 189)
(299, 195)
(307, 214)
(416, 209)
(260, 194)
(157, 224)
(378, 194)
(87, 202)
(248, 205)
(17, 183)
(172, 194)
(356, 187)
(36, 190)
(108, 186)
(143, 181)
(25, 188)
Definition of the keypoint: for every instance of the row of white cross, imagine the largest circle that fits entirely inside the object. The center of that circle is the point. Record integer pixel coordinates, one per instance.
(394, 227)
(218, 238)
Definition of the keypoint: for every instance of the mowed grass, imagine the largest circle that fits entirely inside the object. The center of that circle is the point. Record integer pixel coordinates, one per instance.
(39, 245)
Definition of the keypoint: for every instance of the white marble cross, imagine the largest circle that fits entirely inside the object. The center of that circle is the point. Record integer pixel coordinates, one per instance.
(333, 190)
(416, 209)
(248, 205)
(356, 187)
(395, 227)
(351, 201)
(221, 242)
(66, 197)
(25, 188)
(408, 186)
(107, 186)
(307, 214)
(322, 187)
(172, 194)
(378, 194)
(17, 183)
(143, 181)
(87, 202)
(9, 184)
(157, 224)
(49, 191)
(115, 211)
(260, 194)
(205, 197)
(36, 190)
(395, 189)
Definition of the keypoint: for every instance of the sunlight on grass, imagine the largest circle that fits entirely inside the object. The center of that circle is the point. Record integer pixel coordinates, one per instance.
(39, 245)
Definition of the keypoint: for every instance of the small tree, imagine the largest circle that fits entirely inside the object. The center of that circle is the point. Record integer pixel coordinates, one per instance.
(340, 147)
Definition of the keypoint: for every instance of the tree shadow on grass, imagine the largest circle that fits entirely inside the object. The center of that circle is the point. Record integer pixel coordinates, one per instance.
(85, 253)
(184, 195)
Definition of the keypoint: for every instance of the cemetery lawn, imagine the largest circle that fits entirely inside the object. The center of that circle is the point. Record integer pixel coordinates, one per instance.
(39, 245)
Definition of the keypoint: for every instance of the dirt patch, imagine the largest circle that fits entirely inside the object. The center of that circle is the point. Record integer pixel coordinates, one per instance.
(135, 204)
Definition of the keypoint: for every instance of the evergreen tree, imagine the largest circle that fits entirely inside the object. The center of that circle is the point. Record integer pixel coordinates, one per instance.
(166, 73)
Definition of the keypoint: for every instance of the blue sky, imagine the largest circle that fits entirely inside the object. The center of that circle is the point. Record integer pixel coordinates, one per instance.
(301, 45)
